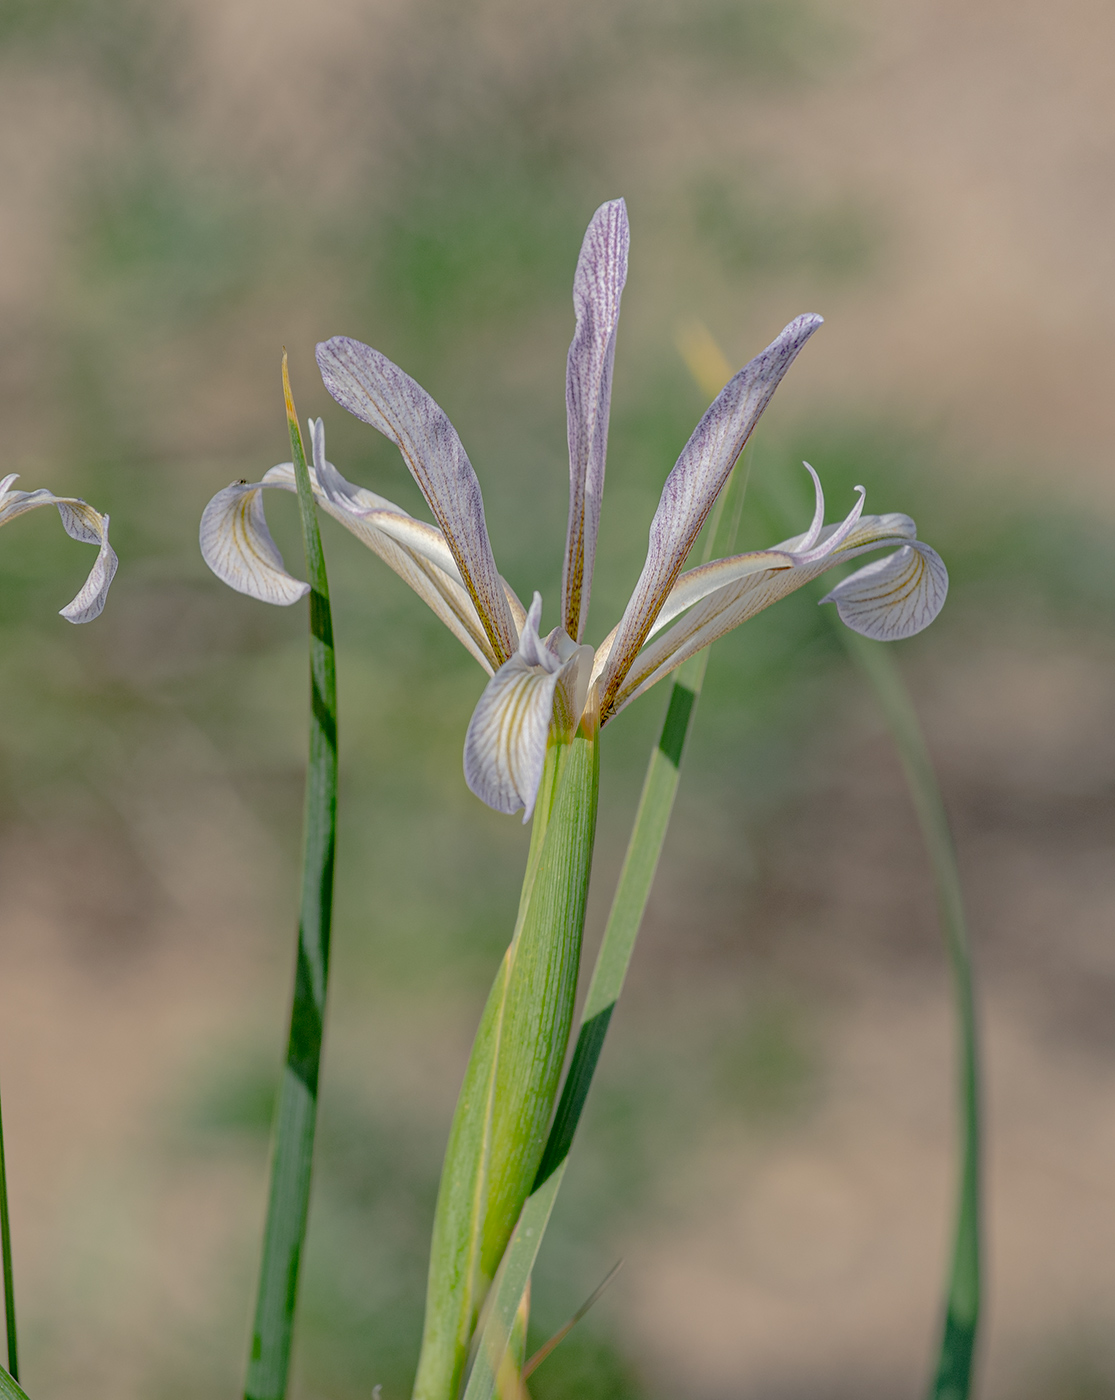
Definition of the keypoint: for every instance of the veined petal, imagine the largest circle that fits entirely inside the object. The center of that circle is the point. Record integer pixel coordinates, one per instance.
(597, 287)
(409, 547)
(346, 502)
(81, 522)
(893, 597)
(692, 487)
(544, 683)
(237, 546)
(724, 594)
(378, 392)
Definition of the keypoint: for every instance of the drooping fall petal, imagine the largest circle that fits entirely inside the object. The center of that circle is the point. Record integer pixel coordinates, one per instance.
(373, 389)
(81, 522)
(237, 546)
(893, 597)
(505, 746)
(896, 601)
(692, 487)
(597, 287)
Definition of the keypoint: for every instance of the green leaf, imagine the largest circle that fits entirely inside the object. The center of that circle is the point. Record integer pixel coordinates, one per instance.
(10, 1389)
(293, 1147)
(500, 1125)
(6, 1255)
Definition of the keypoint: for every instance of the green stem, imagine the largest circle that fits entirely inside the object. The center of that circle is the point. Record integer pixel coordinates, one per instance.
(507, 1098)
(962, 1303)
(6, 1252)
(292, 1152)
(612, 961)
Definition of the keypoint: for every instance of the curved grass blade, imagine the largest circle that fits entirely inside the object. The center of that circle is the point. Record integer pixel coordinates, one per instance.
(292, 1151)
(962, 1304)
(711, 370)
(640, 864)
(6, 1253)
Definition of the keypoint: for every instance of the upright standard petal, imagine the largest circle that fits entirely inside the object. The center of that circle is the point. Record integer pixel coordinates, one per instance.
(597, 287)
(237, 546)
(692, 487)
(81, 522)
(380, 393)
(545, 682)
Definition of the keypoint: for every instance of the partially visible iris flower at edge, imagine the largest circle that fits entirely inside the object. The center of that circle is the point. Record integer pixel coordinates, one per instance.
(81, 522)
(543, 685)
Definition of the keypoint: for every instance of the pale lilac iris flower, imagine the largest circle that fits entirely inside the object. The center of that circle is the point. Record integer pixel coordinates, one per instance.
(81, 522)
(540, 686)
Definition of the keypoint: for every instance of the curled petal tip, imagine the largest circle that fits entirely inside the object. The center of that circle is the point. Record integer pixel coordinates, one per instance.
(83, 523)
(895, 597)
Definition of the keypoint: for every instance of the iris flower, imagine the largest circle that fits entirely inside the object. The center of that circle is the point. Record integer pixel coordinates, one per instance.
(81, 522)
(540, 686)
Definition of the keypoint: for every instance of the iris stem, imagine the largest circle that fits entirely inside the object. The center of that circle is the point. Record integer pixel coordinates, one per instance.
(296, 1118)
(612, 961)
(6, 1253)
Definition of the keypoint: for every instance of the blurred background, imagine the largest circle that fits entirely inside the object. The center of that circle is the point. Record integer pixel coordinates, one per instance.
(190, 186)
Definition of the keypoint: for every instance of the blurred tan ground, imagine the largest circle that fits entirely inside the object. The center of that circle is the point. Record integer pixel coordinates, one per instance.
(806, 1258)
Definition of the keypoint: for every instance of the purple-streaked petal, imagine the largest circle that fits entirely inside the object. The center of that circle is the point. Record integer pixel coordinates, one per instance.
(597, 287)
(894, 597)
(378, 392)
(746, 588)
(410, 548)
(692, 487)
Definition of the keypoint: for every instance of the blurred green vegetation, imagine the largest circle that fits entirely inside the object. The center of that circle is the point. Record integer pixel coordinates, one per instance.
(442, 223)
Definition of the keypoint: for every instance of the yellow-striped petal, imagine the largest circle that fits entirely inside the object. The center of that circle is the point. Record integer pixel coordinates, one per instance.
(894, 597)
(237, 546)
(543, 684)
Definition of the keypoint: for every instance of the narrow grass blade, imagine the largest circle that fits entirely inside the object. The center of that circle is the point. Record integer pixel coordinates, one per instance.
(10, 1388)
(640, 864)
(292, 1151)
(962, 1304)
(506, 1101)
(6, 1253)
(560, 1335)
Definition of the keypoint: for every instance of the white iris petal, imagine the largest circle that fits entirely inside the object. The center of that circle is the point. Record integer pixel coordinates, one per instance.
(505, 746)
(894, 597)
(81, 522)
(237, 546)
